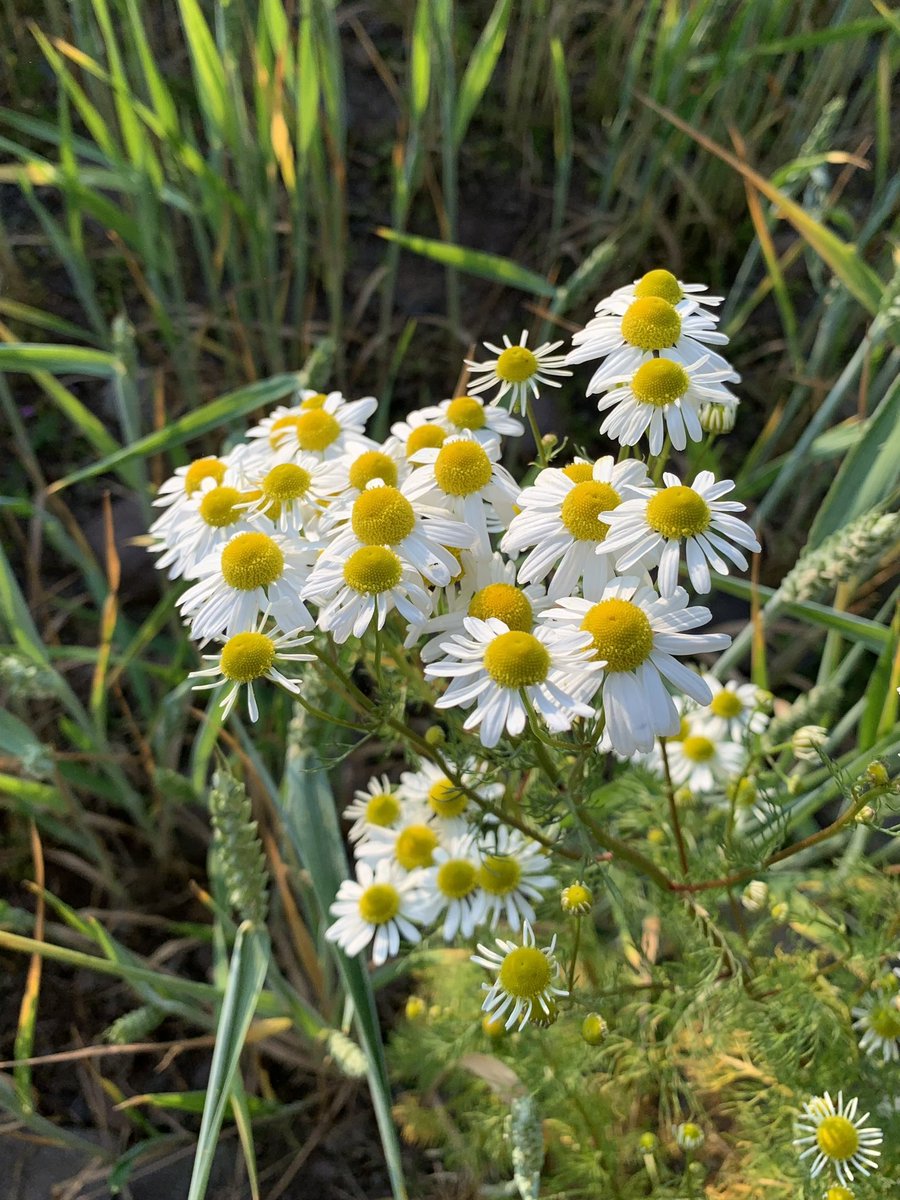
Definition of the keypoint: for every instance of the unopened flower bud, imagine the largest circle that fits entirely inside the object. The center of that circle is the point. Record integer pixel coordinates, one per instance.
(649, 1142)
(779, 912)
(435, 736)
(656, 836)
(877, 773)
(594, 1029)
(576, 899)
(755, 895)
(543, 1020)
(718, 418)
(689, 1136)
(865, 814)
(416, 1008)
(807, 741)
(493, 1027)
(548, 441)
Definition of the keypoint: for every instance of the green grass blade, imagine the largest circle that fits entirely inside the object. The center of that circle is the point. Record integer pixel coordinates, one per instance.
(880, 712)
(308, 810)
(193, 425)
(59, 360)
(209, 73)
(475, 262)
(249, 962)
(480, 68)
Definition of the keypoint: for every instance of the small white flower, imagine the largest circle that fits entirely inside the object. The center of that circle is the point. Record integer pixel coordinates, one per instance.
(638, 637)
(563, 515)
(378, 907)
(362, 589)
(191, 530)
(516, 371)
(494, 667)
(410, 844)
(417, 432)
(174, 494)
(704, 763)
(451, 887)
(450, 805)
(515, 872)
(734, 710)
(469, 413)
(247, 657)
(651, 528)
(689, 1136)
(325, 426)
(525, 983)
(879, 1019)
(379, 804)
(292, 495)
(836, 1137)
(661, 396)
(252, 573)
(662, 284)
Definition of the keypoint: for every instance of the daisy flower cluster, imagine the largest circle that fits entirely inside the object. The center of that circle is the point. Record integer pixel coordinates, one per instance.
(564, 604)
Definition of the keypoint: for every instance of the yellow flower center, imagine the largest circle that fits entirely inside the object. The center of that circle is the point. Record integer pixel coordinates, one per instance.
(836, 1192)
(885, 1020)
(457, 878)
(661, 284)
(313, 402)
(575, 896)
(726, 704)
(678, 512)
(252, 560)
(382, 517)
(203, 468)
(316, 429)
(690, 1131)
(579, 472)
(221, 506)
(379, 903)
(465, 412)
(581, 510)
(424, 437)
(651, 324)
(281, 428)
(525, 973)
(383, 809)
(621, 632)
(698, 749)
(247, 656)
(516, 364)
(462, 468)
(516, 660)
(415, 847)
(507, 603)
(837, 1138)
(373, 464)
(499, 874)
(446, 800)
(660, 382)
(285, 483)
(372, 570)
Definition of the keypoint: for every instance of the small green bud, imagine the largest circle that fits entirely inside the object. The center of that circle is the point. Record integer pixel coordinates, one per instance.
(435, 736)
(594, 1029)
(649, 1142)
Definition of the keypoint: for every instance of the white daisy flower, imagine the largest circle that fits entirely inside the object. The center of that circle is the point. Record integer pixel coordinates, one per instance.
(417, 432)
(734, 710)
(251, 574)
(410, 844)
(209, 517)
(420, 535)
(689, 1136)
(487, 588)
(628, 333)
(361, 469)
(247, 657)
(465, 478)
(293, 495)
(379, 907)
(514, 874)
(525, 983)
(325, 426)
(378, 804)
(879, 1019)
(661, 396)
(451, 887)
(638, 635)
(836, 1137)
(450, 805)
(497, 669)
(178, 488)
(363, 588)
(664, 286)
(651, 527)
(563, 516)
(702, 762)
(469, 413)
(517, 371)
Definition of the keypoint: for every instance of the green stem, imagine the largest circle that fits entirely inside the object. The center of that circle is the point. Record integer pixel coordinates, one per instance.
(673, 808)
(536, 433)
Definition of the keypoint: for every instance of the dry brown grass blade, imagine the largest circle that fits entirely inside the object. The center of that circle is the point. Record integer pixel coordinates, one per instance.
(30, 996)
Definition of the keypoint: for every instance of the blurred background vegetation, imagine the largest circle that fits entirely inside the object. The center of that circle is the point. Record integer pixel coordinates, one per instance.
(207, 204)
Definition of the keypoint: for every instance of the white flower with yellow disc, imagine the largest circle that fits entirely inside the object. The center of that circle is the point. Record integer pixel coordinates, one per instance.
(836, 1137)
(212, 514)
(416, 432)
(409, 844)
(247, 658)
(628, 333)
(651, 528)
(464, 477)
(514, 873)
(734, 710)
(664, 286)
(525, 986)
(639, 636)
(702, 762)
(660, 397)
(253, 573)
(293, 495)
(421, 536)
(378, 907)
(878, 1018)
(362, 589)
(517, 371)
(563, 516)
(361, 469)
(450, 888)
(470, 414)
(175, 492)
(505, 672)
(326, 426)
(378, 805)
(451, 805)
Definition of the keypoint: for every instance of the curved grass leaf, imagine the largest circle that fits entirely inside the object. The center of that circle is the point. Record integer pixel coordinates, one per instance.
(474, 262)
(59, 360)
